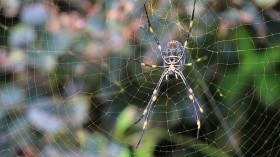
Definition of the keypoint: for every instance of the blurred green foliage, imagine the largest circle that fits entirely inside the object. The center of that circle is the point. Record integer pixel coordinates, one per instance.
(68, 87)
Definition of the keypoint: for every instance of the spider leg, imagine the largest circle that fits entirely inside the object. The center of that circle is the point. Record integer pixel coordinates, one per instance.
(195, 102)
(191, 22)
(196, 61)
(151, 29)
(148, 65)
(190, 27)
(148, 108)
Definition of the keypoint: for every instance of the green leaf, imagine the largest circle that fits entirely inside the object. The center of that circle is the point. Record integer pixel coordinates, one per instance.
(267, 78)
(150, 140)
(148, 143)
(125, 153)
(235, 80)
(124, 121)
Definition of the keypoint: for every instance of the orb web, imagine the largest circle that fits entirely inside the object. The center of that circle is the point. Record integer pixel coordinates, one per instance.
(71, 84)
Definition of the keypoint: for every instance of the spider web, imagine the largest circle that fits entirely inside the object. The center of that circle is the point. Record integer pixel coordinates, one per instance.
(69, 86)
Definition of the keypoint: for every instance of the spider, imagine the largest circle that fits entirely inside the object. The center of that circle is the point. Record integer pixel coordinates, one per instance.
(174, 56)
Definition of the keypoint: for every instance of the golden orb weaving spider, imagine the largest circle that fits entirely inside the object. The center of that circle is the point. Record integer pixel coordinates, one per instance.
(174, 56)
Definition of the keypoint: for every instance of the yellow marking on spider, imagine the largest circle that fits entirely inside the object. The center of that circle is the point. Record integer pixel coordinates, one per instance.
(191, 91)
(143, 64)
(159, 47)
(154, 66)
(220, 93)
(145, 124)
(198, 59)
(185, 45)
(145, 112)
(154, 98)
(198, 124)
(155, 92)
(201, 110)
(151, 30)
(189, 64)
(171, 67)
(191, 24)
(191, 97)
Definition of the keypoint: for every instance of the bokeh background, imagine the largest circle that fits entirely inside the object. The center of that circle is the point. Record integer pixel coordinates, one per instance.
(68, 86)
